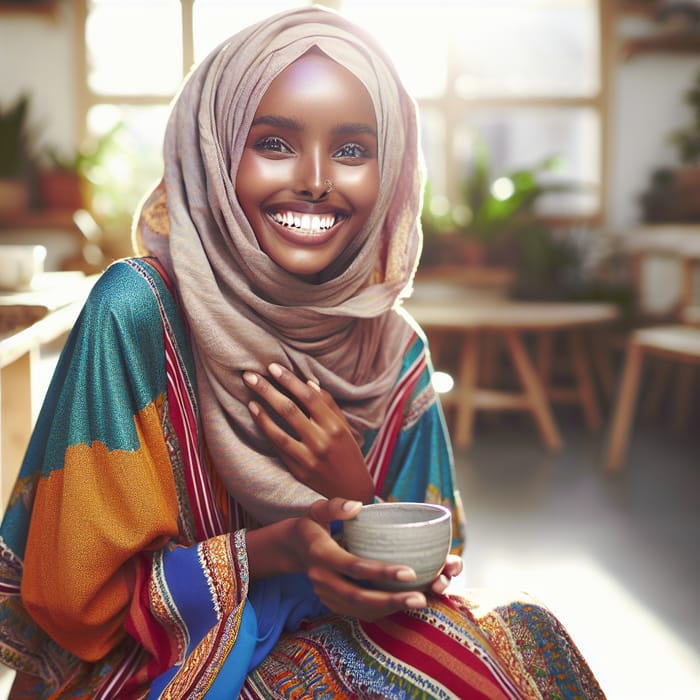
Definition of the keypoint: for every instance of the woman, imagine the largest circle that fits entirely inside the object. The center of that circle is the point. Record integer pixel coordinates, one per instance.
(170, 533)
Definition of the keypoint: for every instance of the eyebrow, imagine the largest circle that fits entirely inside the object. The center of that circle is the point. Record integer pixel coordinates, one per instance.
(354, 130)
(279, 122)
(290, 124)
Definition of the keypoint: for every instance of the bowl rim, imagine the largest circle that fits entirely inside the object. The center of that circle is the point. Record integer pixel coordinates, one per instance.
(444, 515)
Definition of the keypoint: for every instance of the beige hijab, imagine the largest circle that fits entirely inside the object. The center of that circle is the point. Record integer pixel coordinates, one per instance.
(244, 311)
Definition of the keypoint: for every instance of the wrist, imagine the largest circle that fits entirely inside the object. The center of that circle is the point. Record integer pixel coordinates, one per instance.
(269, 553)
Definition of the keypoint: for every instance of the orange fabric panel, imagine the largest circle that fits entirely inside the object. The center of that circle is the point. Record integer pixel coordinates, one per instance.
(90, 518)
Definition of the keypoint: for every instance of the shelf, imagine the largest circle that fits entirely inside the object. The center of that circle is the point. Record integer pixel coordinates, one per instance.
(630, 7)
(686, 43)
(48, 219)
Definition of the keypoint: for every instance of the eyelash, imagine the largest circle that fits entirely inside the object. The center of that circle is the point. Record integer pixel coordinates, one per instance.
(358, 151)
(277, 145)
(272, 143)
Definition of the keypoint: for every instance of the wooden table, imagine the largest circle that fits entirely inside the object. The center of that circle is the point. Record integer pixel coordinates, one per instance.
(56, 305)
(470, 322)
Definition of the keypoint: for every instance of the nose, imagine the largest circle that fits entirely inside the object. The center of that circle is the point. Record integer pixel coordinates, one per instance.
(310, 180)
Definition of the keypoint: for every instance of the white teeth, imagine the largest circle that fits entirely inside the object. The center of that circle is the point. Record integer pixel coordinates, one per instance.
(305, 222)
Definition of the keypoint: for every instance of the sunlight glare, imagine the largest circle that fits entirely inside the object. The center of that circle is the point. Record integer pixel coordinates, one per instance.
(577, 589)
(502, 188)
(439, 205)
(462, 215)
(442, 382)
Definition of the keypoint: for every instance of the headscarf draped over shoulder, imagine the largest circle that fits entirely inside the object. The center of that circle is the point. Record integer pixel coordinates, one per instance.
(243, 310)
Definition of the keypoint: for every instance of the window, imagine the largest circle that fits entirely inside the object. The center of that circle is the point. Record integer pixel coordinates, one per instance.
(520, 78)
(136, 56)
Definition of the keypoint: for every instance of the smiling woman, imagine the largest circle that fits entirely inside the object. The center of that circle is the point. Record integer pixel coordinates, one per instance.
(233, 393)
(329, 135)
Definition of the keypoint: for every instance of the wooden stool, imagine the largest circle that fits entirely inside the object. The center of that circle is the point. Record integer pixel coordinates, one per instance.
(510, 321)
(677, 343)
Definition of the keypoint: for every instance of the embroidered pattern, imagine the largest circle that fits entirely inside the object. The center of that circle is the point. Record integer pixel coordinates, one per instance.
(156, 213)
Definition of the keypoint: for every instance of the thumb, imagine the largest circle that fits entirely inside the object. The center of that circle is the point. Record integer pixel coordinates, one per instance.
(326, 511)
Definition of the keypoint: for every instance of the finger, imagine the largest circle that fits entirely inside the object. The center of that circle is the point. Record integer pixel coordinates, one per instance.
(305, 391)
(330, 402)
(324, 511)
(317, 402)
(326, 553)
(284, 406)
(440, 584)
(453, 565)
(348, 598)
(280, 438)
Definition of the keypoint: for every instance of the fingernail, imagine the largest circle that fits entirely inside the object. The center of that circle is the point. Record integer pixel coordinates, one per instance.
(254, 408)
(351, 505)
(405, 575)
(250, 378)
(275, 370)
(314, 385)
(415, 601)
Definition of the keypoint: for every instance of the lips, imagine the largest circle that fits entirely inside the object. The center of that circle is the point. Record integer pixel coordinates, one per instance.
(304, 223)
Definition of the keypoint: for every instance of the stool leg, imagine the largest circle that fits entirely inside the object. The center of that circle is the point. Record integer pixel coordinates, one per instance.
(466, 389)
(601, 355)
(659, 370)
(624, 410)
(534, 391)
(543, 343)
(584, 381)
(685, 390)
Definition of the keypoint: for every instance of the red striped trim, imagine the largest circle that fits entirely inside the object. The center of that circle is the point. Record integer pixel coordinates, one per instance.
(383, 445)
(454, 648)
(122, 673)
(184, 420)
(491, 686)
(183, 416)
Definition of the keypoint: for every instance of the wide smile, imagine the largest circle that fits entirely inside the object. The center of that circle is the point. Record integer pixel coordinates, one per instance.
(298, 225)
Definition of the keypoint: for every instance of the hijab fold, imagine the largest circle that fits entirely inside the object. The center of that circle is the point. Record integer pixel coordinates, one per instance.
(243, 310)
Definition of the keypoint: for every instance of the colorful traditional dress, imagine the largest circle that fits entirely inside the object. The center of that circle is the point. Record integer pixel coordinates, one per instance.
(124, 569)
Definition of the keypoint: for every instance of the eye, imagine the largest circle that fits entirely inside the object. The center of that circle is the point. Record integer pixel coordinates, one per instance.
(351, 150)
(273, 144)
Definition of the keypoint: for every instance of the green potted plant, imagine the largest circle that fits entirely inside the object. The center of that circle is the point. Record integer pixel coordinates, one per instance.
(16, 157)
(674, 192)
(495, 223)
(65, 179)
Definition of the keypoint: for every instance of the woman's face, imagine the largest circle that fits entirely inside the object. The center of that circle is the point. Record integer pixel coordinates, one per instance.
(314, 124)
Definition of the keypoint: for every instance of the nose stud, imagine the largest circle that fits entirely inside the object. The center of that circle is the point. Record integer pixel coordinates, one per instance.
(329, 186)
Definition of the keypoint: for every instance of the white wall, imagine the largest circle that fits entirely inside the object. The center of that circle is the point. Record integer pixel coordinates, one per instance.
(37, 55)
(647, 104)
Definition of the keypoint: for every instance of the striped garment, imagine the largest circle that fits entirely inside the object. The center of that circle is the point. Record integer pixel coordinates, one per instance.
(131, 560)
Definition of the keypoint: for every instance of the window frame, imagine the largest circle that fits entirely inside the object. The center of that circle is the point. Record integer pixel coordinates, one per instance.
(450, 104)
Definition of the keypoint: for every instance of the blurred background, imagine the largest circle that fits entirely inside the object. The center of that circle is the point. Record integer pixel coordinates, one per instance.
(562, 140)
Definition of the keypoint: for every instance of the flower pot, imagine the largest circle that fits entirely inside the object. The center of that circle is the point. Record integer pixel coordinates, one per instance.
(14, 196)
(61, 190)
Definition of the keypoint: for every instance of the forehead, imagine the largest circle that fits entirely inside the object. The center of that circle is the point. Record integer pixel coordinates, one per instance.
(314, 81)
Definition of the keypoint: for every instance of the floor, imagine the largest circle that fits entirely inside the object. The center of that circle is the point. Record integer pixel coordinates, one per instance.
(616, 557)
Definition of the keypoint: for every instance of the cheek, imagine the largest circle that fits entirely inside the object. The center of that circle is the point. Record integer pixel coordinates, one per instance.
(364, 185)
(257, 176)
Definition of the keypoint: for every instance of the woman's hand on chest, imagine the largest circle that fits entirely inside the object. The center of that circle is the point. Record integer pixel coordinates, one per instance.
(310, 434)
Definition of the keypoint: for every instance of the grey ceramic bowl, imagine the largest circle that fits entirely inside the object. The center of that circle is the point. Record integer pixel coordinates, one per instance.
(415, 534)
